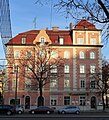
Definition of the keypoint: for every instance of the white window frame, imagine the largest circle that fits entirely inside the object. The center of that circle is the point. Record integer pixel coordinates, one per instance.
(82, 100)
(82, 84)
(92, 84)
(82, 68)
(53, 83)
(17, 54)
(54, 54)
(61, 40)
(53, 100)
(81, 55)
(66, 83)
(92, 68)
(66, 54)
(92, 55)
(66, 68)
(93, 41)
(53, 69)
(23, 40)
(80, 40)
(27, 84)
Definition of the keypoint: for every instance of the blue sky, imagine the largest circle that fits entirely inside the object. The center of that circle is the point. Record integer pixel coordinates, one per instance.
(23, 13)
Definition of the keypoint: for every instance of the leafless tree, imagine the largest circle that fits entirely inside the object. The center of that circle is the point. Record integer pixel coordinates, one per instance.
(39, 65)
(101, 77)
(96, 11)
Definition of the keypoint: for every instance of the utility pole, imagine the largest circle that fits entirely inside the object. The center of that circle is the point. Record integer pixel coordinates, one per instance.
(16, 81)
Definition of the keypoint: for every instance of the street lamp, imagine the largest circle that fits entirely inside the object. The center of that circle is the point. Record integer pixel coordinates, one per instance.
(16, 81)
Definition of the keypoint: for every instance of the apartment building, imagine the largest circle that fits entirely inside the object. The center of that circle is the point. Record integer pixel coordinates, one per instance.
(80, 48)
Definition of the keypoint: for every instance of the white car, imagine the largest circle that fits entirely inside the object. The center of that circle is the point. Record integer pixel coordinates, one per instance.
(19, 109)
(69, 109)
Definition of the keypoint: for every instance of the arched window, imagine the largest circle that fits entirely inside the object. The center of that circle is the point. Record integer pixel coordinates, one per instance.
(66, 54)
(92, 55)
(81, 55)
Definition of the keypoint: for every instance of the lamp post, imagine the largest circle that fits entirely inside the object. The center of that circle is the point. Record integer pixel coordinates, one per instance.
(16, 81)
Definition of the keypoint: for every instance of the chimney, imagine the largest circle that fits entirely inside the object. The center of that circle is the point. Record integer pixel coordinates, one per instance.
(55, 28)
(71, 26)
(46, 28)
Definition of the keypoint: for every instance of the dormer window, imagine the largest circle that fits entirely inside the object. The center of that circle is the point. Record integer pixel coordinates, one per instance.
(42, 40)
(61, 40)
(23, 40)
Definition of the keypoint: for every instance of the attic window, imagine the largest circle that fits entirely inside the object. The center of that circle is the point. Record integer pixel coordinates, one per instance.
(42, 40)
(23, 39)
(61, 41)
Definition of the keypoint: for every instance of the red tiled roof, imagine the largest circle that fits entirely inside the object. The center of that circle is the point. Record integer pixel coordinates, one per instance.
(31, 35)
(53, 35)
(84, 24)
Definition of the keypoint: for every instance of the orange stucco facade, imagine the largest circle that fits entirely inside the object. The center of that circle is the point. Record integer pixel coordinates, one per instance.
(80, 54)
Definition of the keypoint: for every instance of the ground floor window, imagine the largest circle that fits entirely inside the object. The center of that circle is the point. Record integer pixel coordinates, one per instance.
(12, 101)
(82, 100)
(66, 100)
(53, 100)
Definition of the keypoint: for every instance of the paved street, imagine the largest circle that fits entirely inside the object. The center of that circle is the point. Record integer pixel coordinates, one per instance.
(81, 116)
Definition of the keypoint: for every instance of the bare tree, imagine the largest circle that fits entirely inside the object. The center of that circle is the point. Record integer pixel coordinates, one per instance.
(96, 11)
(38, 66)
(101, 77)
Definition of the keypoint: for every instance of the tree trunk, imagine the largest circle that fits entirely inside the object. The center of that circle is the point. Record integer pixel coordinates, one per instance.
(103, 101)
(40, 98)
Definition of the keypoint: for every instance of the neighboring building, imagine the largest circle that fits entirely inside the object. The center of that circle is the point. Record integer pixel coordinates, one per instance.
(81, 49)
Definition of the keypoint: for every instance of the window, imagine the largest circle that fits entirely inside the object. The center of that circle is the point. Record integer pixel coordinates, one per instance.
(80, 40)
(66, 83)
(14, 84)
(82, 85)
(82, 100)
(66, 100)
(53, 83)
(54, 54)
(16, 54)
(28, 67)
(81, 55)
(42, 40)
(82, 68)
(92, 55)
(23, 39)
(66, 54)
(93, 41)
(53, 100)
(27, 84)
(53, 69)
(61, 41)
(93, 84)
(66, 68)
(92, 68)
(28, 54)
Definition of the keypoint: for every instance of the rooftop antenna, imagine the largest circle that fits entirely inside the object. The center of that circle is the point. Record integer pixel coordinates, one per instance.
(51, 14)
(34, 23)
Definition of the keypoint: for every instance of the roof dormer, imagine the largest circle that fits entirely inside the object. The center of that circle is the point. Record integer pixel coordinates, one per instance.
(42, 38)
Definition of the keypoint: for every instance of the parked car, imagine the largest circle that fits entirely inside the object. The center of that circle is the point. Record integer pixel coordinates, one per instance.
(69, 109)
(42, 109)
(19, 109)
(7, 109)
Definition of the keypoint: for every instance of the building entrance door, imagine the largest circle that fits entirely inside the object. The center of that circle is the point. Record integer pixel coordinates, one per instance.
(27, 102)
(93, 102)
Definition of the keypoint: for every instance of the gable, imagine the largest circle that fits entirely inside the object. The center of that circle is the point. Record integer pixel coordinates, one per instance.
(42, 34)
